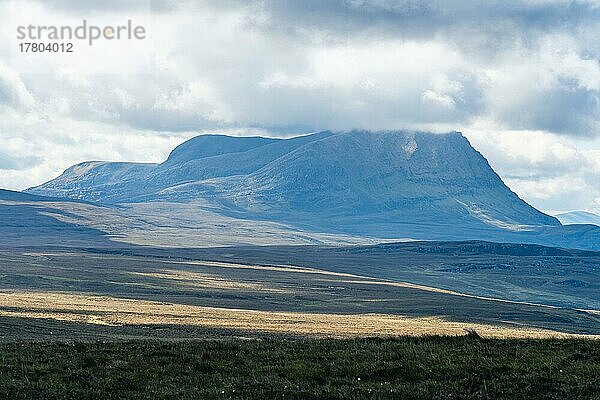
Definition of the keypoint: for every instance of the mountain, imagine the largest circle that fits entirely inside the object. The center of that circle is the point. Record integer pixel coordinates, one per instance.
(96, 181)
(215, 145)
(392, 184)
(355, 173)
(200, 158)
(579, 217)
(418, 176)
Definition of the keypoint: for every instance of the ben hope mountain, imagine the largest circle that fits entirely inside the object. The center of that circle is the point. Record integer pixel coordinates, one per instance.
(388, 185)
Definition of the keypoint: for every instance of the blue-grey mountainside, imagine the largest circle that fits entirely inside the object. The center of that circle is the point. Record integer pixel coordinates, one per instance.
(392, 184)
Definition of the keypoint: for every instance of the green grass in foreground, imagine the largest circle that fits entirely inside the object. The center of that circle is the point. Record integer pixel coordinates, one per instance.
(411, 368)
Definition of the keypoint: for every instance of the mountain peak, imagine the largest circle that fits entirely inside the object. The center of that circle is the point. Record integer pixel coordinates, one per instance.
(209, 145)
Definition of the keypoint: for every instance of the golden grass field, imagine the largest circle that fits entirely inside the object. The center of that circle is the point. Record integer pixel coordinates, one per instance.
(118, 311)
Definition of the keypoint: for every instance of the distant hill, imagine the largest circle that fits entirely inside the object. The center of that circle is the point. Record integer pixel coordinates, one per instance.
(29, 220)
(579, 217)
(391, 184)
(11, 195)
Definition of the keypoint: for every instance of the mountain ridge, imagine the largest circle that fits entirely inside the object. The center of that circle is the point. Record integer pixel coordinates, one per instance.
(372, 171)
(387, 184)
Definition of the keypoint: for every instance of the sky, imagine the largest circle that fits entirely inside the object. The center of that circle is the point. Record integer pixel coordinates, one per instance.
(520, 79)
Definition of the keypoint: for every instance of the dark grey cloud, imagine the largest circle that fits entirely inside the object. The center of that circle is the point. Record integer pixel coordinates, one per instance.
(420, 19)
(566, 110)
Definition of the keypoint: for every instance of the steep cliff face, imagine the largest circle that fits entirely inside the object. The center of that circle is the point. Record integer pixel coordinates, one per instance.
(419, 175)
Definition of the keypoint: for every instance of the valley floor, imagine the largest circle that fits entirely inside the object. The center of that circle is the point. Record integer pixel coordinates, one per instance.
(51, 294)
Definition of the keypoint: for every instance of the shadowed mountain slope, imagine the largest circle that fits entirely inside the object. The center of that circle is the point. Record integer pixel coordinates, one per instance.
(29, 220)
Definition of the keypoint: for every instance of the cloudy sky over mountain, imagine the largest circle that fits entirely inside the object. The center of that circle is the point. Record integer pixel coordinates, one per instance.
(520, 79)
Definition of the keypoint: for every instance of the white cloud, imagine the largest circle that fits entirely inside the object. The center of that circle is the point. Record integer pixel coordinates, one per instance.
(13, 92)
(549, 171)
(36, 149)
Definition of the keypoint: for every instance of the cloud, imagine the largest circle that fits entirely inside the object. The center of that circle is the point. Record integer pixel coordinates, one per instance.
(480, 28)
(352, 64)
(525, 72)
(548, 170)
(13, 92)
(36, 149)
(17, 162)
(111, 6)
(555, 89)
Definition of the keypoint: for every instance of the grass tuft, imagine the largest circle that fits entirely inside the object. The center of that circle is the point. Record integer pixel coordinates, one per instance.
(472, 333)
